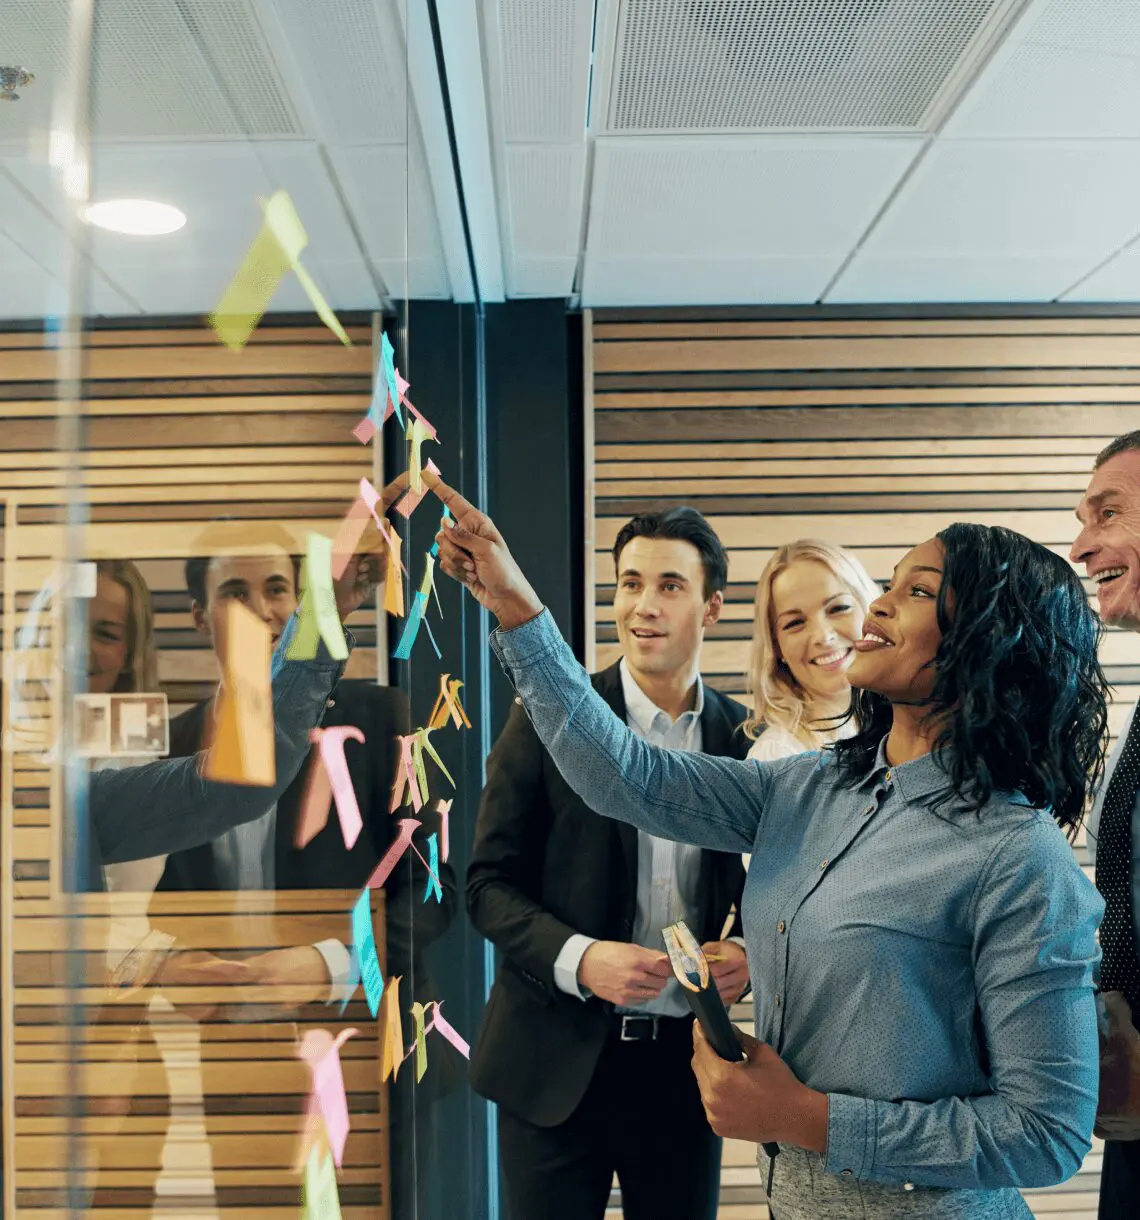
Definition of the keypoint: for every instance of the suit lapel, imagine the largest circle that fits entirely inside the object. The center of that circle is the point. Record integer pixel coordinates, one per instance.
(608, 684)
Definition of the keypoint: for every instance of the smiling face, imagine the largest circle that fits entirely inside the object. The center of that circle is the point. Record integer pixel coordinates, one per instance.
(816, 624)
(262, 583)
(1109, 542)
(895, 657)
(108, 620)
(660, 605)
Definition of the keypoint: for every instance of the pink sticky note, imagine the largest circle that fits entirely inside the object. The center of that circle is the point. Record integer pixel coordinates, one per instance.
(441, 1026)
(322, 1053)
(336, 766)
(406, 775)
(405, 829)
(422, 418)
(365, 430)
(444, 810)
(317, 798)
(348, 535)
(411, 499)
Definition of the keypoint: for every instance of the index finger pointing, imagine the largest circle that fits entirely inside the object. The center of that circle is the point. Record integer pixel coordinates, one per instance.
(443, 491)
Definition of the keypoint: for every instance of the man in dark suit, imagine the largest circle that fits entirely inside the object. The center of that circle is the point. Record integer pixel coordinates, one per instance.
(586, 1040)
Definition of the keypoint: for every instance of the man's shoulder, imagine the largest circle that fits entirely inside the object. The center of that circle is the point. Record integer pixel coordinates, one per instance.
(186, 730)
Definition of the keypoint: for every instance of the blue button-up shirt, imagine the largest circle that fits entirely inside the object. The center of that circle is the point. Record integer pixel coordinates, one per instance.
(929, 970)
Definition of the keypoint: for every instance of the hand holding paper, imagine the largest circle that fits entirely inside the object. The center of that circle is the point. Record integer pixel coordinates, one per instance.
(473, 552)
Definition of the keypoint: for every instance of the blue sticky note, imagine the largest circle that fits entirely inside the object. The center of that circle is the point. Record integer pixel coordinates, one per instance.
(388, 360)
(353, 979)
(433, 870)
(365, 942)
(411, 627)
(431, 637)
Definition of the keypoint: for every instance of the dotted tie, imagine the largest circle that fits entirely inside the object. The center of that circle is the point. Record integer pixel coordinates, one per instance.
(1120, 970)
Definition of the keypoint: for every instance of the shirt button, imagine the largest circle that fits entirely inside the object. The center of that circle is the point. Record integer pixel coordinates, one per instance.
(846, 1173)
(777, 999)
(869, 809)
(887, 777)
(823, 866)
(781, 926)
(908, 1186)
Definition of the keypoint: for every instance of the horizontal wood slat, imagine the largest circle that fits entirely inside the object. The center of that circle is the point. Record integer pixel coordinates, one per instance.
(178, 432)
(869, 430)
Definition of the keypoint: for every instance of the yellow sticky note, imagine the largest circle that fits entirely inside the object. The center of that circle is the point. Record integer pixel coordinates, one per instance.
(242, 749)
(391, 1032)
(275, 251)
(393, 585)
(322, 1201)
(317, 615)
(421, 1041)
(417, 432)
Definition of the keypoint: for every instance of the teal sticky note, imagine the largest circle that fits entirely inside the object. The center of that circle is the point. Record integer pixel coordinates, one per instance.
(411, 627)
(388, 360)
(365, 942)
(433, 870)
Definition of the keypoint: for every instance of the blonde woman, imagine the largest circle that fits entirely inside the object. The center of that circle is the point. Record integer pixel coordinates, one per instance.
(811, 600)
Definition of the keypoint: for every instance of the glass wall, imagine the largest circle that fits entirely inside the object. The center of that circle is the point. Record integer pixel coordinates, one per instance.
(236, 970)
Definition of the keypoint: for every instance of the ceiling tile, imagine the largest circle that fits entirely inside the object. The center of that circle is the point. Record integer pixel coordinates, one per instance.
(1117, 280)
(878, 279)
(704, 280)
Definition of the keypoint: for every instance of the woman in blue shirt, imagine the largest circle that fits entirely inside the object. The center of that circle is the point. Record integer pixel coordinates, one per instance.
(920, 936)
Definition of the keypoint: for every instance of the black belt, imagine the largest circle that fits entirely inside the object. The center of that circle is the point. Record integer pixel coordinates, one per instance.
(633, 1027)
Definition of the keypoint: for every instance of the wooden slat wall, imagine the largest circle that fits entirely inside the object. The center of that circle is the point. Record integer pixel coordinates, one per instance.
(179, 431)
(874, 432)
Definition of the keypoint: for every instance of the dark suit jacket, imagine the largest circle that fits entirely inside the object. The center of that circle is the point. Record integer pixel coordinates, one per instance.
(381, 713)
(543, 867)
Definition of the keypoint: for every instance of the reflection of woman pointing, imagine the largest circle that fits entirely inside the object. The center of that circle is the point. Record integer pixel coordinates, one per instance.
(920, 936)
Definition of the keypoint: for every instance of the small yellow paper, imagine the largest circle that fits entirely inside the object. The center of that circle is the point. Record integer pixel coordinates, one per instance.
(393, 584)
(391, 1032)
(274, 252)
(322, 1202)
(418, 432)
(317, 615)
(421, 1041)
(242, 749)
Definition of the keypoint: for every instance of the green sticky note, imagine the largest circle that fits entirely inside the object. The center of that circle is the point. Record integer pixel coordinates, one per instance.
(322, 1202)
(317, 616)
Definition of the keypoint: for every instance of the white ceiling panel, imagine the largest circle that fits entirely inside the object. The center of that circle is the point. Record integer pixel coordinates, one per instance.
(390, 196)
(26, 289)
(1069, 68)
(878, 279)
(545, 183)
(704, 281)
(1068, 203)
(1117, 280)
(741, 202)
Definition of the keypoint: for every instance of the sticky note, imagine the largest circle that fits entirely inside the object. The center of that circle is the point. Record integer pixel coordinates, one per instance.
(406, 775)
(388, 367)
(273, 253)
(242, 748)
(412, 498)
(441, 1026)
(405, 828)
(353, 980)
(421, 1041)
(364, 939)
(331, 741)
(433, 870)
(321, 1200)
(317, 614)
(417, 434)
(411, 628)
(443, 808)
(394, 586)
(322, 1053)
(447, 705)
(391, 1032)
(316, 800)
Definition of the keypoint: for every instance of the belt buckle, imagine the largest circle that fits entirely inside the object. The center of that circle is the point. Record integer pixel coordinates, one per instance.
(629, 1018)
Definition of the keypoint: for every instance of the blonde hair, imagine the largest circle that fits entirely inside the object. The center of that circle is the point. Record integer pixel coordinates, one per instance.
(141, 672)
(777, 698)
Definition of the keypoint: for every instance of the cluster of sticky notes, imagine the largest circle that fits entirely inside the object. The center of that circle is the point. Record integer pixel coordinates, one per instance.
(410, 786)
(276, 250)
(447, 705)
(241, 751)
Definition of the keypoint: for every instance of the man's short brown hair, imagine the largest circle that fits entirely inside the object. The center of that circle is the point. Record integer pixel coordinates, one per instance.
(1123, 444)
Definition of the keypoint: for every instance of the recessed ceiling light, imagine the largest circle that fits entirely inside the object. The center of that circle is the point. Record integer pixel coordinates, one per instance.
(139, 217)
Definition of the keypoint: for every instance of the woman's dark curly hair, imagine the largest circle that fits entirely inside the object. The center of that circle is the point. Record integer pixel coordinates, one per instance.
(1017, 677)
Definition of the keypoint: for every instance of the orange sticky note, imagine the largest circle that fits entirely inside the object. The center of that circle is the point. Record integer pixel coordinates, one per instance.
(392, 1034)
(447, 705)
(242, 749)
(393, 585)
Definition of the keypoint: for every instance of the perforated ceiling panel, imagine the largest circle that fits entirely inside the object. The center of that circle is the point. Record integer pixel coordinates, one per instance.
(818, 65)
(197, 68)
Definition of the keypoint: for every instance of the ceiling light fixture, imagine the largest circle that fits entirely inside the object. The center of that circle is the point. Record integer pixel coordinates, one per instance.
(12, 79)
(138, 217)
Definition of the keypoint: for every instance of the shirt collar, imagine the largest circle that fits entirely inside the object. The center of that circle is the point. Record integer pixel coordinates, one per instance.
(642, 710)
(915, 780)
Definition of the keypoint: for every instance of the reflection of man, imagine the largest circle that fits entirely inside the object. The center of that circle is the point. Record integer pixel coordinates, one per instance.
(1109, 547)
(586, 1041)
(262, 855)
